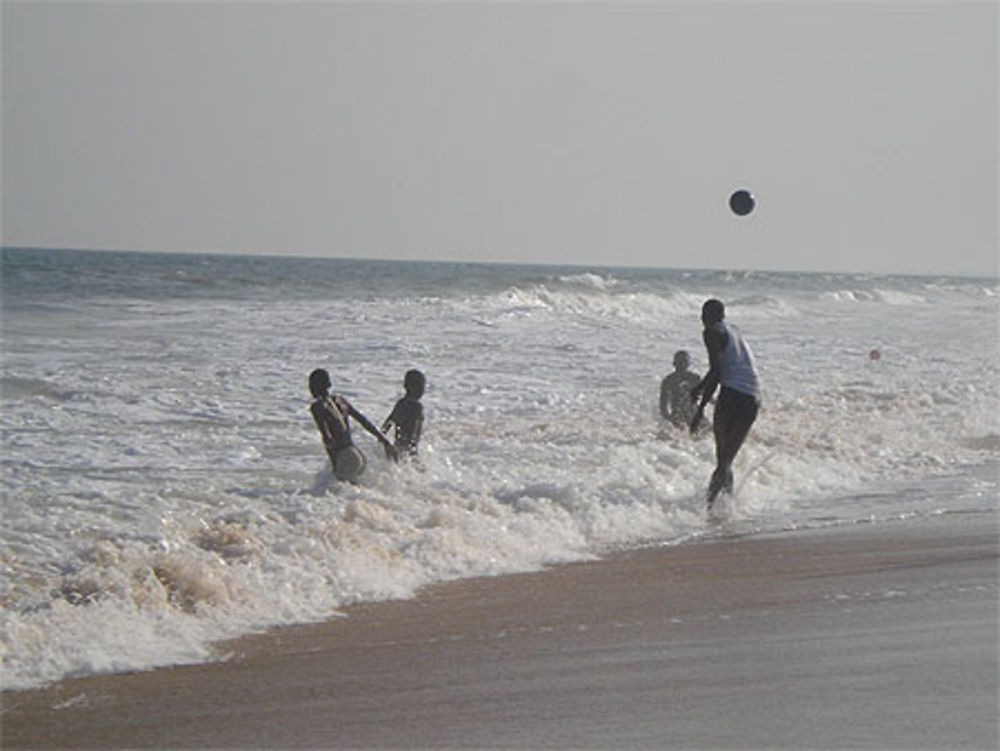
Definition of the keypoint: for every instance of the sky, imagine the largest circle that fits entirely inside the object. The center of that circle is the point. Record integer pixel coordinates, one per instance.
(578, 133)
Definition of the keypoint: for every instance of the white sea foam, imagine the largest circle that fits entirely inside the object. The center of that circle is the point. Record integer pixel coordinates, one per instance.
(164, 487)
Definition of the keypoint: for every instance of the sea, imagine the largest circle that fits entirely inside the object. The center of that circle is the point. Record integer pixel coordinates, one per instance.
(164, 487)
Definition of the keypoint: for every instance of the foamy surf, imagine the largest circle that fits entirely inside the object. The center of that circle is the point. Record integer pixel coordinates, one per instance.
(164, 488)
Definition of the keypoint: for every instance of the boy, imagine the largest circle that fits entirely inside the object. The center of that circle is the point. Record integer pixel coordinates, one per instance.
(676, 405)
(332, 413)
(408, 414)
(731, 365)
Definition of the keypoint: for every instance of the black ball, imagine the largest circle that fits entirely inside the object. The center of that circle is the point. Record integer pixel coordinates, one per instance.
(741, 202)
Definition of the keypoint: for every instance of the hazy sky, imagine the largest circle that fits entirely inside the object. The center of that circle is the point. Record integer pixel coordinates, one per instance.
(597, 133)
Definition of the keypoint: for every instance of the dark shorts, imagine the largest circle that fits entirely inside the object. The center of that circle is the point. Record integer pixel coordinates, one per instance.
(735, 412)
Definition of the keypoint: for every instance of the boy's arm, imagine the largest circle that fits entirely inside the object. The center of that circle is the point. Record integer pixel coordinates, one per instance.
(418, 424)
(715, 342)
(320, 415)
(367, 425)
(390, 419)
(324, 430)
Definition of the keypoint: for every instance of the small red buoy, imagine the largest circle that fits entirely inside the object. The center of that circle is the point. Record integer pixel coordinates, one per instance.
(874, 355)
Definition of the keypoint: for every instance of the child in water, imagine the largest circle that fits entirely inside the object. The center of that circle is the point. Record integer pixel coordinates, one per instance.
(408, 414)
(676, 404)
(332, 413)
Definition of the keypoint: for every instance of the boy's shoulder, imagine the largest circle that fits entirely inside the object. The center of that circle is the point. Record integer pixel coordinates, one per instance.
(407, 404)
(328, 403)
(716, 335)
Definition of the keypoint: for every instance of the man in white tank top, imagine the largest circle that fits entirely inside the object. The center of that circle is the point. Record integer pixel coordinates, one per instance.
(731, 364)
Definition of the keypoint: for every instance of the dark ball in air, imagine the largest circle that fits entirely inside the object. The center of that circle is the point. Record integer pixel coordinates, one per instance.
(741, 202)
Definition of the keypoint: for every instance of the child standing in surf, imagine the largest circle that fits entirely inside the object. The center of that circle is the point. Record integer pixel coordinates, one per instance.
(408, 415)
(332, 413)
(676, 406)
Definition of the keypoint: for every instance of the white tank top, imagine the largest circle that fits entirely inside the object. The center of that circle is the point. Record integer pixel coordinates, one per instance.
(738, 370)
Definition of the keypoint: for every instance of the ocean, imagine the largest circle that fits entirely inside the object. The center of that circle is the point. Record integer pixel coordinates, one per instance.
(164, 487)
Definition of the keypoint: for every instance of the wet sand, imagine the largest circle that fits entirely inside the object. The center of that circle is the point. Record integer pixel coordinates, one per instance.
(865, 636)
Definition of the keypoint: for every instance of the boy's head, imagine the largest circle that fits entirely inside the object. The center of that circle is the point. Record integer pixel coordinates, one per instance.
(319, 382)
(682, 360)
(414, 383)
(712, 311)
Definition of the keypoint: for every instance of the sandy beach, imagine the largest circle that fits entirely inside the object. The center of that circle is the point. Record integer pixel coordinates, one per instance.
(862, 636)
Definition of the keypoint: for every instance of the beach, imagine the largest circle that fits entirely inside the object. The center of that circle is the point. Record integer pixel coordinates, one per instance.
(164, 488)
(855, 636)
